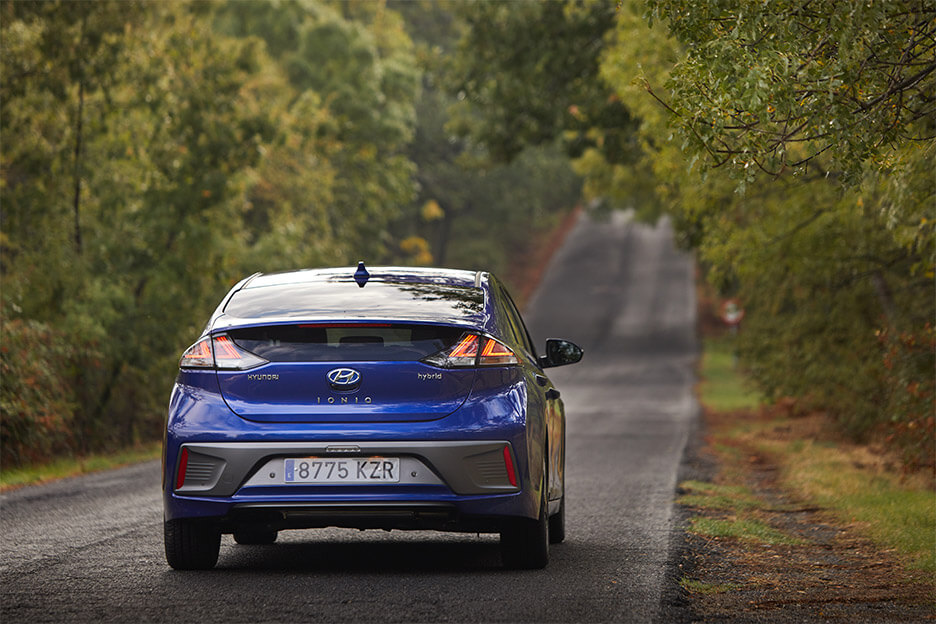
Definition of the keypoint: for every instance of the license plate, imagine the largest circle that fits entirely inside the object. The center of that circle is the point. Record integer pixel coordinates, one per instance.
(342, 470)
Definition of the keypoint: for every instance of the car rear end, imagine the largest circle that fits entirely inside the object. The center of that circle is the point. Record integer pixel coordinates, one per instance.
(311, 401)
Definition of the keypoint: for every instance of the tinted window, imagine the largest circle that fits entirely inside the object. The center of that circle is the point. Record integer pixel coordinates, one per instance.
(345, 342)
(519, 326)
(344, 299)
(516, 330)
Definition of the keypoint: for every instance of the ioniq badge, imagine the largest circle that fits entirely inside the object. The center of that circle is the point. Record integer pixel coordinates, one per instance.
(344, 378)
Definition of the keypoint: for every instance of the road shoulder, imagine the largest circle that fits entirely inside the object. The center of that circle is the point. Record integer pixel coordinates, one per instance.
(765, 554)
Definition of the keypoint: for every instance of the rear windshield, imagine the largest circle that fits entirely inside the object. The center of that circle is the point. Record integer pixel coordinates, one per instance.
(345, 343)
(343, 299)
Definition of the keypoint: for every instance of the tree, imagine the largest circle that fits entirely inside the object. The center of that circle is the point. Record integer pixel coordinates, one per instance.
(356, 61)
(473, 211)
(173, 121)
(833, 251)
(845, 88)
(59, 61)
(527, 72)
(791, 144)
(771, 86)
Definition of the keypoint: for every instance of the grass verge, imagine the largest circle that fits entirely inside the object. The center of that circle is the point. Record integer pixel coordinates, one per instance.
(73, 466)
(722, 388)
(858, 484)
(853, 485)
(745, 529)
(698, 587)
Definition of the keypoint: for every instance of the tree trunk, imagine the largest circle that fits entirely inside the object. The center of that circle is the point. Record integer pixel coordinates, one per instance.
(79, 126)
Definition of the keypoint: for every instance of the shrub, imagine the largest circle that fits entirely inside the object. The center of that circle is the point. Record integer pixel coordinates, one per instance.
(909, 361)
(36, 393)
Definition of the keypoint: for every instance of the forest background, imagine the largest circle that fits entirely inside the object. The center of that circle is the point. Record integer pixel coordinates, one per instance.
(154, 153)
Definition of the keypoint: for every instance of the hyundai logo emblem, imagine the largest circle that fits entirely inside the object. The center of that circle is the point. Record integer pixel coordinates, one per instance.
(344, 378)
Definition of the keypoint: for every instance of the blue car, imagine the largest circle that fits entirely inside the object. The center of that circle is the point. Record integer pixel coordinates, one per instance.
(382, 398)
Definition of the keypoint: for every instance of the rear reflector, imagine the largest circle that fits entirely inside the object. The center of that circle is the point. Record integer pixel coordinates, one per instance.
(183, 466)
(508, 463)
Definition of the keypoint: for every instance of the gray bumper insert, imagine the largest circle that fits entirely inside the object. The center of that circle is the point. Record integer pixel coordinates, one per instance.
(465, 467)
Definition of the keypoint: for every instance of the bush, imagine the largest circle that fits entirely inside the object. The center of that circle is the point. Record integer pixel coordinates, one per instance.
(36, 394)
(909, 361)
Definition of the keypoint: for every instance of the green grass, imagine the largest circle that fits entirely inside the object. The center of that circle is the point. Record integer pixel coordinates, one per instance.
(910, 521)
(896, 514)
(746, 529)
(698, 587)
(711, 496)
(723, 388)
(72, 466)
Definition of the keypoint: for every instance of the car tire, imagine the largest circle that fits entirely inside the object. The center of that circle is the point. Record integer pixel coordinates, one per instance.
(557, 524)
(525, 542)
(191, 545)
(255, 537)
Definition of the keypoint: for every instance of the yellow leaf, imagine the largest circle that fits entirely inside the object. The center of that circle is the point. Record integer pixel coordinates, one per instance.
(431, 211)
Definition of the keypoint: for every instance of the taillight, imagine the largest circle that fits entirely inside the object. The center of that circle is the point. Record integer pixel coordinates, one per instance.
(219, 352)
(466, 353)
(198, 355)
(497, 354)
(229, 356)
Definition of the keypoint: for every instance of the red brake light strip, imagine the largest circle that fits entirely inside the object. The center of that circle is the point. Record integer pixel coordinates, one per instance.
(467, 347)
(226, 349)
(496, 349)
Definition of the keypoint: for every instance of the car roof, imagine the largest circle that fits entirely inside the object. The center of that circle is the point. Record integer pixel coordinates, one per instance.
(407, 294)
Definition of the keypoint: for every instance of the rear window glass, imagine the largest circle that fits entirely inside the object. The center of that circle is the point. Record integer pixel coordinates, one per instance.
(343, 299)
(345, 343)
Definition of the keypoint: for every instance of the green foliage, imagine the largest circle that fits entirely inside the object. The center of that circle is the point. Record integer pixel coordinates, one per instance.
(527, 73)
(844, 89)
(474, 211)
(773, 85)
(358, 70)
(724, 387)
(812, 128)
(150, 162)
(821, 270)
(909, 360)
(509, 203)
(815, 305)
(36, 399)
(155, 153)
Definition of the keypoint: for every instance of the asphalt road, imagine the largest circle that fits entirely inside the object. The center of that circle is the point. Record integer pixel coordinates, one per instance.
(90, 549)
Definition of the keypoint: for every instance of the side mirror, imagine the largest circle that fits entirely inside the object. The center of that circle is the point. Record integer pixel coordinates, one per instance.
(560, 352)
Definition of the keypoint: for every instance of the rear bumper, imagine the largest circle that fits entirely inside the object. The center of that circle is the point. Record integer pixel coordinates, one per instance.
(444, 485)
(466, 467)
